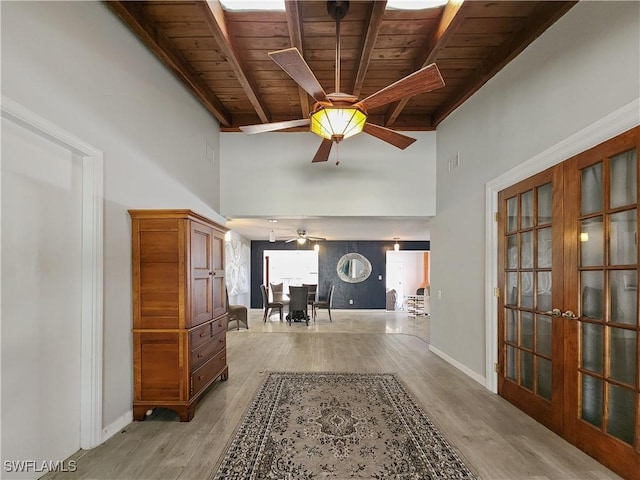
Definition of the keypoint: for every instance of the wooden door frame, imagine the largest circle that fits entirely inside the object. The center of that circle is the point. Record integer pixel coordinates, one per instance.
(615, 123)
(92, 293)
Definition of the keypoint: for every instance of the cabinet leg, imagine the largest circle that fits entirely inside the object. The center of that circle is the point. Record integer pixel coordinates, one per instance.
(191, 409)
(139, 412)
(225, 375)
(185, 413)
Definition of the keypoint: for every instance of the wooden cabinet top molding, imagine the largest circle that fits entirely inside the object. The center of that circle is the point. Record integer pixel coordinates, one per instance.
(179, 213)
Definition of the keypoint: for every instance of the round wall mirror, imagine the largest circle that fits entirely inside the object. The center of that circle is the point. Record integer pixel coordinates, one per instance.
(353, 268)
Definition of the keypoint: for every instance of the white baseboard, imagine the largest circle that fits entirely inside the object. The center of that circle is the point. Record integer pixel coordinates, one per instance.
(464, 369)
(117, 425)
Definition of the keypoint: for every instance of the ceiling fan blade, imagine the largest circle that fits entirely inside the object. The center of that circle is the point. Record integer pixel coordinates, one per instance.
(422, 81)
(291, 240)
(272, 127)
(390, 136)
(291, 61)
(322, 155)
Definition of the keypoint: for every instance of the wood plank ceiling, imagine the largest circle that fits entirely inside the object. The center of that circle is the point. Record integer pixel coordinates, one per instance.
(222, 55)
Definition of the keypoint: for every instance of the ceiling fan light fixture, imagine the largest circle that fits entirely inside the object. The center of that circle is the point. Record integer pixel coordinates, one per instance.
(301, 240)
(337, 122)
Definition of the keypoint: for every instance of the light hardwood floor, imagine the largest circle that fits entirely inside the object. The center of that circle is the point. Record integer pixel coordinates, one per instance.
(497, 440)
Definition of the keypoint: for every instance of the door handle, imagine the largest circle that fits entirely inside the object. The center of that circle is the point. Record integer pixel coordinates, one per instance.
(570, 315)
(554, 313)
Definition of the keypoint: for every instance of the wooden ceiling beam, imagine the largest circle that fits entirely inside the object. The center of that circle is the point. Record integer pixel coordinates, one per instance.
(134, 16)
(545, 15)
(294, 22)
(452, 16)
(214, 17)
(375, 21)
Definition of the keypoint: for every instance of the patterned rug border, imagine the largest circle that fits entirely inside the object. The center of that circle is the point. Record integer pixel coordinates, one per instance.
(268, 374)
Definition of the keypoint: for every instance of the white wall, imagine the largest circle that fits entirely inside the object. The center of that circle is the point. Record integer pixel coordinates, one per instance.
(271, 174)
(76, 65)
(583, 68)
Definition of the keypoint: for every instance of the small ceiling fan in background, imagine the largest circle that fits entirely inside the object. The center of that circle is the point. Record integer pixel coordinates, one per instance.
(336, 116)
(303, 237)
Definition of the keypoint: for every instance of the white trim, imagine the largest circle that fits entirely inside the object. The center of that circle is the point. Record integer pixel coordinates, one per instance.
(614, 124)
(92, 300)
(463, 368)
(91, 357)
(491, 282)
(117, 425)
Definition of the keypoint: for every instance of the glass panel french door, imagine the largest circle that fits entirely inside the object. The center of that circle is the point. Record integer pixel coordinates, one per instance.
(530, 336)
(569, 329)
(601, 295)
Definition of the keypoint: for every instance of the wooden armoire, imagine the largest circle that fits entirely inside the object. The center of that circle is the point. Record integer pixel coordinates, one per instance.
(179, 309)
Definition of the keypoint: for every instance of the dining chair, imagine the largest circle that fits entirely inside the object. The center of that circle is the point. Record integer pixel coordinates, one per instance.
(268, 306)
(313, 293)
(324, 304)
(298, 304)
(237, 313)
(277, 293)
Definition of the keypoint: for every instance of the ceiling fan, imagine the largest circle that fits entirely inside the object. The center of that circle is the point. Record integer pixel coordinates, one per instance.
(303, 237)
(336, 116)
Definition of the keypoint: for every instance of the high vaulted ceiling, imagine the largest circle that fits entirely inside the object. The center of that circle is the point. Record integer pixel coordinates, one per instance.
(222, 57)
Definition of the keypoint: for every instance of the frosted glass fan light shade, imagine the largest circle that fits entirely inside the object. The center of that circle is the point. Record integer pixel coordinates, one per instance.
(337, 123)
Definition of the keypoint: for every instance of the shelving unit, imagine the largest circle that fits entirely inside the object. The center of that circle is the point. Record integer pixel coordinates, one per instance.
(415, 305)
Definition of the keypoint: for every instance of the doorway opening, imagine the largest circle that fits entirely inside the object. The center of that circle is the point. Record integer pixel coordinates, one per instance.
(80, 166)
(406, 272)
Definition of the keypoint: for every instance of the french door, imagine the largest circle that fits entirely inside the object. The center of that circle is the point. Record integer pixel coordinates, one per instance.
(531, 262)
(569, 332)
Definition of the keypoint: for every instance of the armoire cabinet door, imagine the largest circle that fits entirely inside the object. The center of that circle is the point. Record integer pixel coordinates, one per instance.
(201, 241)
(218, 281)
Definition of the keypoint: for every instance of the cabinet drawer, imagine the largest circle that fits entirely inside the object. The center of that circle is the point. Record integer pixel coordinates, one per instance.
(201, 377)
(208, 350)
(219, 325)
(199, 336)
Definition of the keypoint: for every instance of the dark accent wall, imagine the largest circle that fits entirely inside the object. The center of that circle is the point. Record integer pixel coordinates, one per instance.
(369, 294)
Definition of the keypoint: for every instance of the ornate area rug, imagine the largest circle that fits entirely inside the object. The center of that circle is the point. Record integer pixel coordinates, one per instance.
(339, 426)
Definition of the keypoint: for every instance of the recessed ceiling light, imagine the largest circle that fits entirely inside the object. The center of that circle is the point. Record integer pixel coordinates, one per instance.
(414, 4)
(238, 5)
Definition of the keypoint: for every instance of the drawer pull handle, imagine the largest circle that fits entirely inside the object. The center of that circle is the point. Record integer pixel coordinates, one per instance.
(221, 341)
(200, 377)
(200, 355)
(203, 334)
